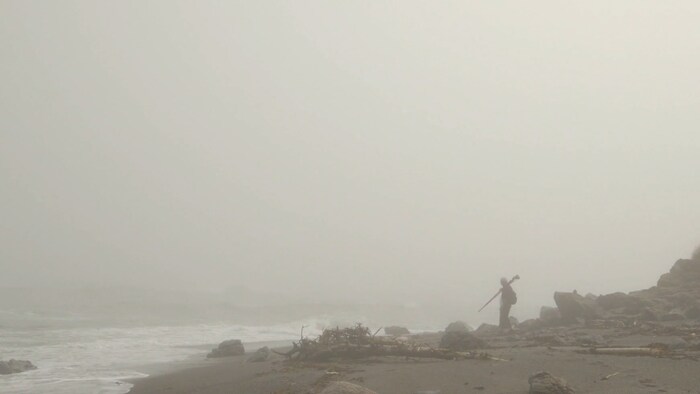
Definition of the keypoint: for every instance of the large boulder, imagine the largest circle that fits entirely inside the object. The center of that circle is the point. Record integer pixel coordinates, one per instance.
(458, 326)
(396, 331)
(346, 388)
(550, 315)
(622, 303)
(574, 308)
(15, 366)
(546, 383)
(260, 355)
(684, 273)
(232, 347)
(461, 341)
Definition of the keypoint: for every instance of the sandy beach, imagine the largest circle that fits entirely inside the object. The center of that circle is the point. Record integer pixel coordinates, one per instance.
(522, 354)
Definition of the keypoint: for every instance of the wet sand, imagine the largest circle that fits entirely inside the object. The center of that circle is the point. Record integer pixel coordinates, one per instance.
(584, 372)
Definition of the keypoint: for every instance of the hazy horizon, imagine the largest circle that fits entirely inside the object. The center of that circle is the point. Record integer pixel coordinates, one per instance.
(411, 152)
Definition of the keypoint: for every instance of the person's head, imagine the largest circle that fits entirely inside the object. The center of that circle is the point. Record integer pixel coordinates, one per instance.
(504, 281)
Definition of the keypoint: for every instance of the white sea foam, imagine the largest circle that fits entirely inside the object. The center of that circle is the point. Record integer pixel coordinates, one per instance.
(98, 360)
(74, 356)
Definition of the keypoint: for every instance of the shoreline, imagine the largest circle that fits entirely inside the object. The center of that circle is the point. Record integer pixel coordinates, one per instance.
(518, 355)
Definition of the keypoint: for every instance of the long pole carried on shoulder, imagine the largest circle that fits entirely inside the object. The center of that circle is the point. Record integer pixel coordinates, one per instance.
(516, 277)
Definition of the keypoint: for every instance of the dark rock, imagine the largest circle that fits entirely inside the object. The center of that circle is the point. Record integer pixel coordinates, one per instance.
(232, 347)
(346, 388)
(458, 326)
(396, 331)
(626, 303)
(684, 273)
(259, 356)
(15, 366)
(461, 341)
(574, 307)
(550, 315)
(486, 328)
(545, 383)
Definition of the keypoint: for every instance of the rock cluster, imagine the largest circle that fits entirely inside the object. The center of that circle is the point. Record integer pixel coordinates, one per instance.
(15, 366)
(232, 347)
(676, 297)
(259, 356)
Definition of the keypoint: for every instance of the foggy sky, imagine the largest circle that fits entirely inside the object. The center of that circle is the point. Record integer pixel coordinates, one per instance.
(392, 151)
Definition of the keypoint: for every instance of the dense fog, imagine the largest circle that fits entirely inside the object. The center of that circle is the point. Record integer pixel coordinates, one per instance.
(344, 153)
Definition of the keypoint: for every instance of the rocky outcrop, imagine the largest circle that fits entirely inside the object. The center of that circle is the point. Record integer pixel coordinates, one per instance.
(461, 341)
(346, 388)
(546, 383)
(259, 356)
(675, 298)
(574, 308)
(396, 331)
(232, 347)
(15, 366)
(684, 273)
(458, 326)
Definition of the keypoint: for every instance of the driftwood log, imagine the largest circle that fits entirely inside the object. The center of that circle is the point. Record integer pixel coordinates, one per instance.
(358, 342)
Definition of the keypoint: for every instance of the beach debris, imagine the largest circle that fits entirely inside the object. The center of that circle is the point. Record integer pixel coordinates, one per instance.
(647, 382)
(229, 348)
(358, 342)
(546, 383)
(396, 331)
(657, 350)
(608, 377)
(260, 355)
(458, 326)
(341, 387)
(15, 366)
(461, 341)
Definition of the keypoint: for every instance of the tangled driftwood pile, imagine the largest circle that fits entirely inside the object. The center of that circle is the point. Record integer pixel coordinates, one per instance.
(358, 342)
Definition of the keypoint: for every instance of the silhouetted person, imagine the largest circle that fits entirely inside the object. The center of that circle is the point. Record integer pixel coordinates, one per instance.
(508, 299)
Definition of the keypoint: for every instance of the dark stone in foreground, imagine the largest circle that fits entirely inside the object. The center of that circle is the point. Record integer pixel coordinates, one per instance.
(396, 331)
(461, 341)
(545, 383)
(232, 347)
(15, 366)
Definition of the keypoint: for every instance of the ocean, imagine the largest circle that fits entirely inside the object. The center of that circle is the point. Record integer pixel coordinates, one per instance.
(89, 360)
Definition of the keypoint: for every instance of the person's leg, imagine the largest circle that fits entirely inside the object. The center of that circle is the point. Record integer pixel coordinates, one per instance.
(505, 317)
